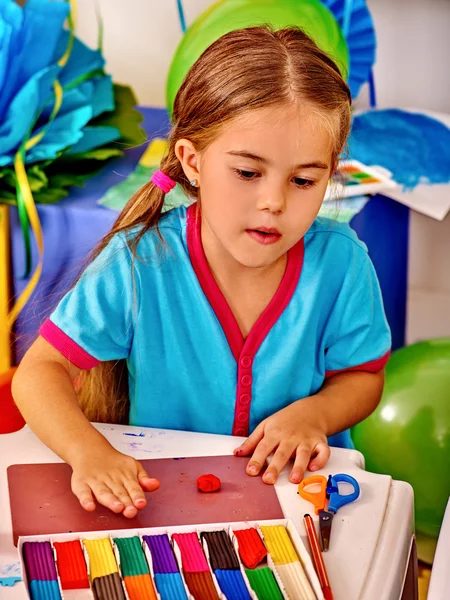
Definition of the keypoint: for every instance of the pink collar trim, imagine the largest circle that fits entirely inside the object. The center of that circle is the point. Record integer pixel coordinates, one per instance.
(218, 302)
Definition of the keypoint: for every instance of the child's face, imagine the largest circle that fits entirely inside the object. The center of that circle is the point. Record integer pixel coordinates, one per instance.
(262, 182)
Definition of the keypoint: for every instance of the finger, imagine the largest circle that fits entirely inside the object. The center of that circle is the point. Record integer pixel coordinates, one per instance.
(83, 493)
(302, 458)
(321, 455)
(135, 492)
(106, 497)
(120, 491)
(278, 462)
(149, 484)
(251, 442)
(262, 451)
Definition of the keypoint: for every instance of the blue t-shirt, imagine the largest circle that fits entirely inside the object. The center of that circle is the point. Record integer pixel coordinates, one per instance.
(189, 366)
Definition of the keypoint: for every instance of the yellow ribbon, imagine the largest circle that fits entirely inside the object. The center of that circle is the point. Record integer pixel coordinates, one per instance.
(33, 216)
(23, 185)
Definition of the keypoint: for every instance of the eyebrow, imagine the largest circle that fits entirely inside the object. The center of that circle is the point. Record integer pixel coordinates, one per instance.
(316, 164)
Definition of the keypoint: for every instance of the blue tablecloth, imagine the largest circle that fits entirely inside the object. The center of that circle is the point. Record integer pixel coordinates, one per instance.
(73, 227)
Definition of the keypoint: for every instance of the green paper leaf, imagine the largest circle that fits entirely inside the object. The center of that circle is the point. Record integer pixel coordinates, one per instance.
(9, 177)
(99, 154)
(65, 180)
(50, 196)
(125, 117)
(7, 197)
(36, 177)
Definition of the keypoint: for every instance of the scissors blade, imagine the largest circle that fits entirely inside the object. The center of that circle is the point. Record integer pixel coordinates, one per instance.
(325, 521)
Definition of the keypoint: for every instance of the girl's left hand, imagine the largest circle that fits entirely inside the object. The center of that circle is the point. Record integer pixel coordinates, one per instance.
(295, 431)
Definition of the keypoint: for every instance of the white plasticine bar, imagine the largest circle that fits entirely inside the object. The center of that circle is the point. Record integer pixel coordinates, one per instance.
(298, 581)
(295, 582)
(305, 560)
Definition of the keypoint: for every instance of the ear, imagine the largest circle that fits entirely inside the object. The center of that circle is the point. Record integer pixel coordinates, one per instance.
(189, 159)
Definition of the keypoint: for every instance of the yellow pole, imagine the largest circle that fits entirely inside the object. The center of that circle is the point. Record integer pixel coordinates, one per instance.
(5, 339)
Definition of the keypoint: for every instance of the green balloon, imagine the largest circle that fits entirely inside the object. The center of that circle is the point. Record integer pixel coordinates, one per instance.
(226, 15)
(408, 436)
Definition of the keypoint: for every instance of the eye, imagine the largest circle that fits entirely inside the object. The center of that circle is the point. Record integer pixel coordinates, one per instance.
(303, 183)
(246, 175)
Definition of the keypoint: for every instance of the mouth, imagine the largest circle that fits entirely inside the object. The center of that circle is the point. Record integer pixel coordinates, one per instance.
(264, 235)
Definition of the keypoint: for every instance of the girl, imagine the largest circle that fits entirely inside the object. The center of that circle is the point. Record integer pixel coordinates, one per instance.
(243, 314)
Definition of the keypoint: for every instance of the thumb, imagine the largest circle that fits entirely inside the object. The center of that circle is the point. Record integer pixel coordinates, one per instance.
(251, 442)
(148, 484)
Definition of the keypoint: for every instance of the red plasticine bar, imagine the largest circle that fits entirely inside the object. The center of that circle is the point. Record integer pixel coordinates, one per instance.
(251, 548)
(71, 565)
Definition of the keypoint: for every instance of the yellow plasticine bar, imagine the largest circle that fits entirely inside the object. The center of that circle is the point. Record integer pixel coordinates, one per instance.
(278, 544)
(101, 558)
(153, 155)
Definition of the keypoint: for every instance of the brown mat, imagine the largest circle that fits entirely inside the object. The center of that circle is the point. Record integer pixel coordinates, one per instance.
(42, 501)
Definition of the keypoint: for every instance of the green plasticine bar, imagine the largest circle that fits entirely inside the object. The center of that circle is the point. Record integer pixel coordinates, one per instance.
(264, 584)
(132, 559)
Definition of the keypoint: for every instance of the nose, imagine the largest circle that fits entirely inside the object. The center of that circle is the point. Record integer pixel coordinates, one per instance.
(273, 199)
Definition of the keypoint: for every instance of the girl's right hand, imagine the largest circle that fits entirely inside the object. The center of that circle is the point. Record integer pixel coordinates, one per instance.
(115, 480)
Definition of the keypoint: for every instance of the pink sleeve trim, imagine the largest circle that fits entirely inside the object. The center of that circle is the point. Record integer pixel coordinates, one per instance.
(68, 348)
(372, 366)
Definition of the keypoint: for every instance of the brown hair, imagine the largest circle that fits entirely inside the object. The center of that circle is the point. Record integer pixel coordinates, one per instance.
(244, 70)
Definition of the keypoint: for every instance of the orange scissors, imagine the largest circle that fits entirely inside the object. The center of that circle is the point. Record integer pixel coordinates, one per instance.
(329, 493)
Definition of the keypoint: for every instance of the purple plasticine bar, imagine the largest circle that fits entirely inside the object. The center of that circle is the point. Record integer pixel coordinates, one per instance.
(39, 561)
(162, 553)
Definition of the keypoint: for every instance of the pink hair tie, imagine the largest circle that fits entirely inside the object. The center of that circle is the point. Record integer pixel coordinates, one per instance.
(163, 181)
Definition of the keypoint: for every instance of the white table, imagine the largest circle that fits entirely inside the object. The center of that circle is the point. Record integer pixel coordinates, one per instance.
(371, 537)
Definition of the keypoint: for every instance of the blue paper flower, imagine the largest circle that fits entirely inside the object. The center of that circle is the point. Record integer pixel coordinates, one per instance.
(32, 40)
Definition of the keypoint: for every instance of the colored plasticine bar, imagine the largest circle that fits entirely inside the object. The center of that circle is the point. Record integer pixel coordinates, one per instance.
(170, 586)
(44, 590)
(279, 544)
(108, 587)
(71, 565)
(295, 581)
(222, 554)
(163, 558)
(140, 587)
(201, 586)
(39, 561)
(264, 584)
(251, 548)
(101, 558)
(192, 556)
(232, 584)
(132, 559)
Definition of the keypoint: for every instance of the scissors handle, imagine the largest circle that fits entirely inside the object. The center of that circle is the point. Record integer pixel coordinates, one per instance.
(318, 499)
(336, 499)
